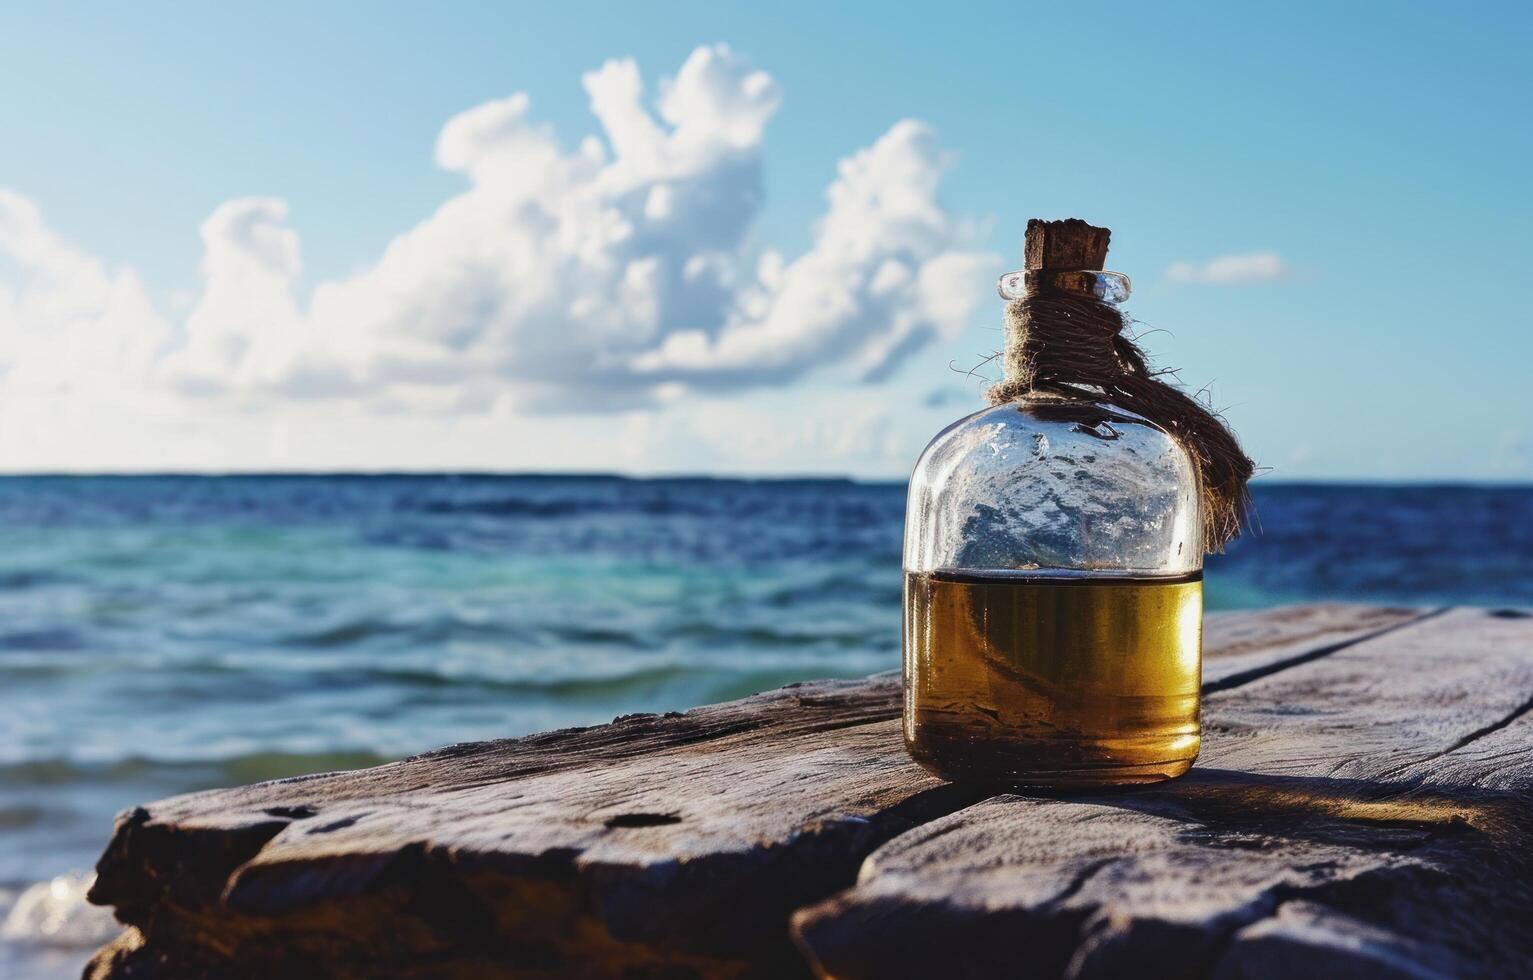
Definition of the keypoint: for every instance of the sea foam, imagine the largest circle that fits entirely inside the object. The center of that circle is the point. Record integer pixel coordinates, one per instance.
(55, 913)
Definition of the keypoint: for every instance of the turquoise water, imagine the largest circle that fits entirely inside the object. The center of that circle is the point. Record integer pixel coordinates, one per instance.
(159, 635)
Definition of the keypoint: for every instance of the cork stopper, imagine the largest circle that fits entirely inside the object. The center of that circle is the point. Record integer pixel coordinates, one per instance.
(1066, 245)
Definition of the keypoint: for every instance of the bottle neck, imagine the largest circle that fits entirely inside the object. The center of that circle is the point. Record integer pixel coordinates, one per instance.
(1080, 309)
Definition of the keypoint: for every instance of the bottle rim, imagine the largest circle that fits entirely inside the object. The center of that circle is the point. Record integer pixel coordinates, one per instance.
(1112, 288)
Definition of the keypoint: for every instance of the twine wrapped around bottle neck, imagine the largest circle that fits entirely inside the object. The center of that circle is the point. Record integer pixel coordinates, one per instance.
(1062, 341)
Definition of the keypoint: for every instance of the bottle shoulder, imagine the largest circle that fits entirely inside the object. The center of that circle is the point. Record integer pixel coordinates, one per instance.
(1067, 485)
(1094, 429)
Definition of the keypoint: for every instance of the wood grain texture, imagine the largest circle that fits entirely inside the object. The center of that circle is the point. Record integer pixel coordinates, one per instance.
(676, 845)
(1367, 811)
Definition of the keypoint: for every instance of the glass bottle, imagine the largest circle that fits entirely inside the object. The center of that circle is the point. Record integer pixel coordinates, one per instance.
(1053, 593)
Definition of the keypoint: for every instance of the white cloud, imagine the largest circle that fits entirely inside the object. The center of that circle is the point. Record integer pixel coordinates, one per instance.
(1239, 268)
(68, 327)
(614, 276)
(881, 279)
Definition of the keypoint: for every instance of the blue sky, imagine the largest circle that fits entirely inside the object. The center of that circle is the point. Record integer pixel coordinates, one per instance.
(1360, 169)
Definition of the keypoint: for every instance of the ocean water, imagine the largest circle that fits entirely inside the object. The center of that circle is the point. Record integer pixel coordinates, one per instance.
(165, 634)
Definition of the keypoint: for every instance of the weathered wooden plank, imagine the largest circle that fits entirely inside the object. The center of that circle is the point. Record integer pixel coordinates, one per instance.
(1240, 647)
(678, 842)
(1362, 812)
(587, 851)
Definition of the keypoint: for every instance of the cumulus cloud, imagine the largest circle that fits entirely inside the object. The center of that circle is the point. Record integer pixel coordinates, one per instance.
(1225, 269)
(617, 274)
(67, 324)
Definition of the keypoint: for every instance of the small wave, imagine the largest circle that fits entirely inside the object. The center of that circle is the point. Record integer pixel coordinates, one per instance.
(651, 505)
(575, 633)
(840, 588)
(509, 507)
(557, 687)
(49, 772)
(36, 672)
(260, 766)
(767, 637)
(660, 504)
(30, 578)
(230, 770)
(55, 913)
(18, 817)
(54, 640)
(445, 629)
(431, 632)
(343, 634)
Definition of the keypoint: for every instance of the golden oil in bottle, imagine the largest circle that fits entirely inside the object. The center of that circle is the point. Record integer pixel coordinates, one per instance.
(1049, 680)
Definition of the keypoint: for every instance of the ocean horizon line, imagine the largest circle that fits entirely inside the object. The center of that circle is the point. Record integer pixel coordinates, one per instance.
(1424, 483)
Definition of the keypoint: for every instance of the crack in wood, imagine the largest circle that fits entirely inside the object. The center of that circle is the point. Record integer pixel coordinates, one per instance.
(1469, 739)
(1079, 879)
(641, 820)
(1266, 670)
(1480, 733)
